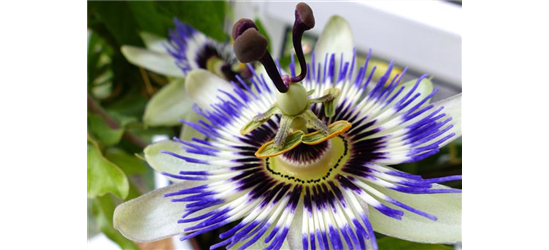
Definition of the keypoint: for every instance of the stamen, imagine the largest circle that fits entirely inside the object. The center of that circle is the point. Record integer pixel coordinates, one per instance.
(250, 46)
(242, 25)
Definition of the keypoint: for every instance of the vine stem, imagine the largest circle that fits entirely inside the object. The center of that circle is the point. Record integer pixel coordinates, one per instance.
(94, 107)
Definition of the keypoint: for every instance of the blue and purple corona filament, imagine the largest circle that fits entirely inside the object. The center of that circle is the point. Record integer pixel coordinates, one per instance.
(317, 189)
(193, 50)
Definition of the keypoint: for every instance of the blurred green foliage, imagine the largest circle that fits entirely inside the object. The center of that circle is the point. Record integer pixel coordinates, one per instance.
(388, 243)
(118, 93)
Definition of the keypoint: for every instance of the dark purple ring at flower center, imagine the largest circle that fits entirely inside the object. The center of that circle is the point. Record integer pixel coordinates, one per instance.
(305, 153)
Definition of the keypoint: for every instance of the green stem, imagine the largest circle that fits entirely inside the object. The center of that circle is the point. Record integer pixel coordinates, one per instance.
(131, 137)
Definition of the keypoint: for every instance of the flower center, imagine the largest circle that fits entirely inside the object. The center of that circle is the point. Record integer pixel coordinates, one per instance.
(206, 54)
(214, 64)
(310, 164)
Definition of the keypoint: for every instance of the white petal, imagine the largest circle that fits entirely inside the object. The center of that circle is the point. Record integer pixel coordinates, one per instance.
(154, 42)
(151, 216)
(187, 132)
(294, 237)
(169, 105)
(336, 37)
(162, 162)
(161, 63)
(203, 87)
(412, 227)
(260, 243)
(452, 108)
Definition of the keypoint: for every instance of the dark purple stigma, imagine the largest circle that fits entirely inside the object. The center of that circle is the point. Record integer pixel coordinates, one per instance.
(250, 46)
(304, 20)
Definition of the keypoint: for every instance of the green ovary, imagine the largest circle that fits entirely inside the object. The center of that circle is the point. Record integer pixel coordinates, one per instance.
(294, 101)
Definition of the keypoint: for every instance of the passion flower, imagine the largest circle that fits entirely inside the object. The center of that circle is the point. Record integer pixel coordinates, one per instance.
(301, 161)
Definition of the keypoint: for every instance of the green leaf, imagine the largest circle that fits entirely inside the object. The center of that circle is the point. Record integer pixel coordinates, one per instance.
(103, 211)
(102, 131)
(99, 71)
(130, 105)
(147, 17)
(130, 164)
(389, 243)
(168, 106)
(206, 16)
(103, 175)
(263, 32)
(118, 20)
(147, 134)
(93, 56)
